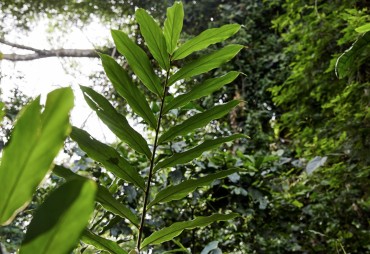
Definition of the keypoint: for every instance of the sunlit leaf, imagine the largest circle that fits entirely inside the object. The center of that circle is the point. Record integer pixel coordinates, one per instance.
(101, 243)
(346, 62)
(166, 234)
(2, 110)
(363, 29)
(116, 122)
(184, 157)
(35, 141)
(197, 121)
(204, 89)
(206, 63)
(153, 37)
(206, 38)
(60, 220)
(181, 190)
(107, 156)
(138, 60)
(124, 86)
(103, 196)
(173, 26)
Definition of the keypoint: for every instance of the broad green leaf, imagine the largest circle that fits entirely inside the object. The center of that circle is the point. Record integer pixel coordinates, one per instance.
(204, 89)
(184, 157)
(206, 63)
(173, 26)
(123, 85)
(154, 38)
(104, 197)
(346, 62)
(363, 29)
(138, 60)
(167, 234)
(197, 121)
(206, 38)
(35, 141)
(116, 122)
(107, 156)
(176, 192)
(60, 220)
(101, 243)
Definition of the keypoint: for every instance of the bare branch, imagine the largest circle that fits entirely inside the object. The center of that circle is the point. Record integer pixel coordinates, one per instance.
(51, 53)
(15, 45)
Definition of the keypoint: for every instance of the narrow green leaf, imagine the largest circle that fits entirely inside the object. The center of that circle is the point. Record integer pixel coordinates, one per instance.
(184, 157)
(176, 192)
(138, 60)
(111, 204)
(363, 29)
(101, 243)
(154, 38)
(35, 141)
(197, 121)
(204, 89)
(116, 122)
(346, 62)
(2, 110)
(167, 234)
(206, 38)
(173, 26)
(60, 220)
(107, 156)
(104, 197)
(206, 63)
(123, 85)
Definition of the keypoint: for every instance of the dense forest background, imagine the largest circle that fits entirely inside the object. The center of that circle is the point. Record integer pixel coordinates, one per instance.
(306, 184)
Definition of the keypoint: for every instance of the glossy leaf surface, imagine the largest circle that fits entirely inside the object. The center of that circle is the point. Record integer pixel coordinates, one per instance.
(60, 220)
(153, 37)
(181, 190)
(173, 26)
(138, 60)
(166, 234)
(107, 156)
(123, 84)
(35, 141)
(198, 121)
(206, 38)
(184, 157)
(116, 122)
(206, 63)
(201, 90)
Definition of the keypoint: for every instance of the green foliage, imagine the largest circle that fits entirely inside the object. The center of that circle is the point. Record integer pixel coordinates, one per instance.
(145, 175)
(40, 135)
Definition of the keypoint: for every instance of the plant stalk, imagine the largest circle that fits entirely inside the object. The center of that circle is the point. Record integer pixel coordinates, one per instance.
(147, 191)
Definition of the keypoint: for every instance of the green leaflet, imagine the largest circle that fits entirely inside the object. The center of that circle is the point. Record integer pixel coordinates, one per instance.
(346, 62)
(2, 111)
(166, 234)
(101, 243)
(154, 38)
(107, 156)
(204, 89)
(123, 85)
(363, 29)
(206, 63)
(197, 121)
(173, 26)
(104, 197)
(35, 141)
(206, 38)
(176, 192)
(116, 122)
(138, 60)
(60, 220)
(184, 157)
